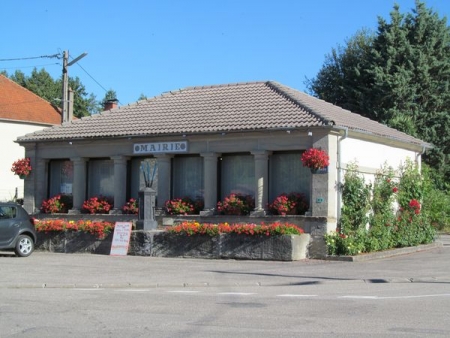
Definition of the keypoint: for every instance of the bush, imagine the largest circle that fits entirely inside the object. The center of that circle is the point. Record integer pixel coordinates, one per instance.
(236, 204)
(355, 199)
(409, 226)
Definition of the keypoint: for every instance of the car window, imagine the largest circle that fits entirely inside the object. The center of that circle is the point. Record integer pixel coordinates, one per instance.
(7, 212)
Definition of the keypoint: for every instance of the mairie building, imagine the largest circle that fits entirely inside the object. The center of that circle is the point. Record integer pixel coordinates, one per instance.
(208, 142)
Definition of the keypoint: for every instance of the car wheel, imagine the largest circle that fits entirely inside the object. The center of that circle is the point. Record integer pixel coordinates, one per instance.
(24, 246)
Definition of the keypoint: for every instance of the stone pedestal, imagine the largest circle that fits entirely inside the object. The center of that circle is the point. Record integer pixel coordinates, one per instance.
(147, 210)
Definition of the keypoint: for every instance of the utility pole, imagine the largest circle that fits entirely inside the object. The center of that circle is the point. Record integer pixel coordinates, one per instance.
(65, 103)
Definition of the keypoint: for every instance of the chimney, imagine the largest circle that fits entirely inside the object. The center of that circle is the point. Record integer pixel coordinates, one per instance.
(110, 104)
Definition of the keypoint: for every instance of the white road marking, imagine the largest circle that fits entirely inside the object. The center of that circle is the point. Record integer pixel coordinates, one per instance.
(236, 293)
(294, 295)
(395, 297)
(183, 291)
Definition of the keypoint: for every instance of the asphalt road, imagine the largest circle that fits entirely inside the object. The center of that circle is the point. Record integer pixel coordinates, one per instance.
(81, 295)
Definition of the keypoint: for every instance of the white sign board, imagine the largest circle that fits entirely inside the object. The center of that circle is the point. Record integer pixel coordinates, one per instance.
(121, 239)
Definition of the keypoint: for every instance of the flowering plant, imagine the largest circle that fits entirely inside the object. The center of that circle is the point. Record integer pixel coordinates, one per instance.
(97, 205)
(236, 204)
(293, 203)
(131, 207)
(190, 228)
(184, 206)
(22, 167)
(314, 158)
(57, 204)
(98, 228)
(414, 206)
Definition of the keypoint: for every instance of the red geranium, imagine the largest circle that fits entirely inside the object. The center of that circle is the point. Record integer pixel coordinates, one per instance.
(97, 205)
(314, 158)
(21, 167)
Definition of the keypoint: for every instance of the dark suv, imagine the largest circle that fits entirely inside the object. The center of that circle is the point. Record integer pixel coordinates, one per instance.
(17, 230)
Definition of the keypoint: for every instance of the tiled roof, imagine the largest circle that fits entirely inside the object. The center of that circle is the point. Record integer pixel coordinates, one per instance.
(20, 104)
(224, 108)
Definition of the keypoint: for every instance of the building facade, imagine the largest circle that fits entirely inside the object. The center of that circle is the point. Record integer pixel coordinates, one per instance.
(209, 142)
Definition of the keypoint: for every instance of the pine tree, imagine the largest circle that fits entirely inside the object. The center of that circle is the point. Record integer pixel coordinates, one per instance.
(401, 78)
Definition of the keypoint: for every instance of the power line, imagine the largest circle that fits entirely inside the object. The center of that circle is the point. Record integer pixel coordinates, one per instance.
(34, 57)
(94, 79)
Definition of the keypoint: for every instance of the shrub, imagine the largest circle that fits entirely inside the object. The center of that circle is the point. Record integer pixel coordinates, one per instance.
(409, 226)
(131, 207)
(355, 198)
(183, 206)
(292, 203)
(97, 205)
(236, 204)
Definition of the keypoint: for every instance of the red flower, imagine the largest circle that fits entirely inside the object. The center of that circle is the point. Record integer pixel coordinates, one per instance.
(415, 206)
(394, 189)
(21, 167)
(131, 207)
(315, 158)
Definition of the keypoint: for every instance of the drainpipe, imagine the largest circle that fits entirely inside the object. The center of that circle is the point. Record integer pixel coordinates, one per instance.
(339, 169)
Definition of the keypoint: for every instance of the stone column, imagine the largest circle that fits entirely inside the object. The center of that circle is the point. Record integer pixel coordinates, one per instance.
(79, 184)
(146, 210)
(41, 182)
(210, 183)
(31, 180)
(261, 181)
(120, 183)
(164, 176)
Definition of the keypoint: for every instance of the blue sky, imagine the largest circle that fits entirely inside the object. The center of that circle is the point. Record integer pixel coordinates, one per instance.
(152, 46)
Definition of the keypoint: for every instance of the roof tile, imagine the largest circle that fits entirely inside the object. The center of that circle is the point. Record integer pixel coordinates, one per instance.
(20, 104)
(219, 108)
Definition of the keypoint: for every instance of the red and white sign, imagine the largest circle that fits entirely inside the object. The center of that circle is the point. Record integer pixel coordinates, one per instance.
(121, 239)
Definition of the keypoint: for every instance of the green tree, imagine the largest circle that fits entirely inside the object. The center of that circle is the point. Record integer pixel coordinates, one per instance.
(399, 76)
(42, 84)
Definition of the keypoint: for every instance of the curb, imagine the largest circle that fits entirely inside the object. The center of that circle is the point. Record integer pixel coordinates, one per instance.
(385, 254)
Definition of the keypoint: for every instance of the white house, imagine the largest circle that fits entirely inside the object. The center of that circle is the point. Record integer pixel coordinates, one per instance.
(21, 112)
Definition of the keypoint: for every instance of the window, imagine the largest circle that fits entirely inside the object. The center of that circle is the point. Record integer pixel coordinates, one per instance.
(287, 174)
(61, 177)
(7, 212)
(101, 178)
(187, 177)
(237, 175)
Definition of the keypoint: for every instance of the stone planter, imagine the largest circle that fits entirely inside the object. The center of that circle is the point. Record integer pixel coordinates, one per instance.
(225, 246)
(73, 242)
(279, 248)
(158, 243)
